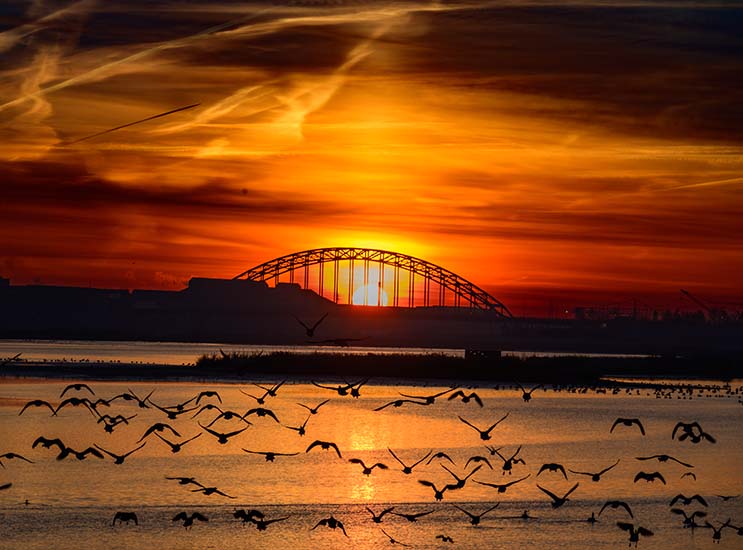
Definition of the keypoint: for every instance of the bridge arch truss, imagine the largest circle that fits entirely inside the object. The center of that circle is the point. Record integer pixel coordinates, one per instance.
(403, 280)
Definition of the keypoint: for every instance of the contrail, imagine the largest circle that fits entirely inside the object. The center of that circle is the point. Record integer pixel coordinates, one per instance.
(153, 117)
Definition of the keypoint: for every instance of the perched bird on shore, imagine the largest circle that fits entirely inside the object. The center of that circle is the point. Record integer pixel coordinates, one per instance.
(502, 487)
(475, 518)
(270, 455)
(38, 403)
(595, 476)
(324, 445)
(176, 447)
(438, 494)
(466, 398)
(526, 395)
(222, 438)
(125, 517)
(634, 532)
(313, 410)
(11, 456)
(484, 434)
(553, 467)
(688, 500)
(405, 468)
(629, 422)
(377, 518)
(428, 399)
(616, 504)
(310, 329)
(556, 500)
(367, 470)
(332, 523)
(412, 517)
(76, 387)
(188, 520)
(649, 477)
(663, 458)
(119, 459)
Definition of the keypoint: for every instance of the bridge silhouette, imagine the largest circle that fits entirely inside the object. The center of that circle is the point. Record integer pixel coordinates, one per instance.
(367, 276)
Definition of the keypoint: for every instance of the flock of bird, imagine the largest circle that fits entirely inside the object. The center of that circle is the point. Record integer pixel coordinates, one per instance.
(207, 410)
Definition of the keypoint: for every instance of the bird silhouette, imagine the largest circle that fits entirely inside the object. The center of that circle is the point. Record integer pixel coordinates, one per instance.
(558, 501)
(399, 403)
(475, 459)
(110, 422)
(313, 410)
(466, 398)
(271, 392)
(119, 459)
(628, 422)
(717, 531)
(310, 329)
(693, 432)
(526, 395)
(412, 517)
(405, 468)
(261, 412)
(616, 504)
(207, 394)
(47, 443)
(131, 396)
(595, 476)
(173, 413)
(377, 518)
(442, 455)
(228, 415)
(428, 399)
(11, 456)
(689, 520)
(76, 387)
(688, 500)
(207, 407)
(262, 524)
(445, 538)
(222, 438)
(302, 428)
(553, 467)
(367, 470)
(261, 400)
(340, 390)
(663, 458)
(324, 445)
(476, 518)
(125, 517)
(634, 532)
(208, 491)
(270, 455)
(249, 516)
(176, 447)
(438, 494)
(692, 475)
(5, 486)
(185, 480)
(331, 523)
(188, 520)
(356, 388)
(502, 487)
(484, 434)
(76, 402)
(509, 462)
(38, 403)
(392, 539)
(80, 455)
(649, 477)
(460, 481)
(158, 427)
(725, 498)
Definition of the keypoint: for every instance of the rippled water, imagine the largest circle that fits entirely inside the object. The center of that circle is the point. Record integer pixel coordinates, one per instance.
(71, 503)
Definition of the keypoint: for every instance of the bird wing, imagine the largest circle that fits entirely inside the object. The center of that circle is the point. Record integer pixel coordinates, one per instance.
(602, 472)
(625, 526)
(699, 499)
(337, 450)
(477, 399)
(616, 423)
(550, 494)
(180, 516)
(456, 394)
(570, 491)
(658, 475)
(385, 405)
(421, 460)
(675, 499)
(679, 425)
(645, 532)
(517, 481)
(320, 320)
(639, 425)
(198, 516)
(109, 453)
(470, 424)
(312, 445)
(682, 463)
(357, 461)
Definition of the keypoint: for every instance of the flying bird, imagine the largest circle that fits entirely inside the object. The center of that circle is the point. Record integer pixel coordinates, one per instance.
(475, 518)
(158, 427)
(399, 403)
(628, 422)
(616, 504)
(47, 443)
(302, 428)
(553, 467)
(11, 456)
(689, 520)
(442, 455)
(526, 395)
(188, 520)
(692, 431)
(367, 469)
(185, 480)
(595, 476)
(556, 500)
(207, 394)
(261, 412)
(649, 477)
(38, 403)
(460, 481)
(466, 397)
(405, 468)
(428, 399)
(131, 396)
(208, 491)
(502, 487)
(484, 434)
(476, 459)
(445, 538)
(176, 447)
(249, 516)
(332, 523)
(634, 533)
(412, 517)
(125, 517)
(377, 518)
(76, 402)
(313, 410)
(222, 438)
(310, 329)
(663, 458)
(509, 462)
(262, 524)
(76, 387)
(688, 500)
(119, 459)
(270, 455)
(324, 445)
(438, 494)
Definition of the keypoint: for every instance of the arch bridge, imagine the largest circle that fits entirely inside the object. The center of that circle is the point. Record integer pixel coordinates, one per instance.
(366, 276)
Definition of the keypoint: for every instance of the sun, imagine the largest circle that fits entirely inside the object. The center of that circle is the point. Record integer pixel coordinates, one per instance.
(370, 295)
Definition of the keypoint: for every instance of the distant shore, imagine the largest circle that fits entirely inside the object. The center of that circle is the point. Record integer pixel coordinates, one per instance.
(534, 369)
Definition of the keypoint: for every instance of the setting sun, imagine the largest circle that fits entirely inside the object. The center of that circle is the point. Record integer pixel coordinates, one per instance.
(370, 295)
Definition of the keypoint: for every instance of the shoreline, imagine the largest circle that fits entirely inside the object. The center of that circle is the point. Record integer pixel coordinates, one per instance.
(238, 367)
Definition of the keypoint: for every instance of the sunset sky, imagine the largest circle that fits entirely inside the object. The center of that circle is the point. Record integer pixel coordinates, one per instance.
(576, 152)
